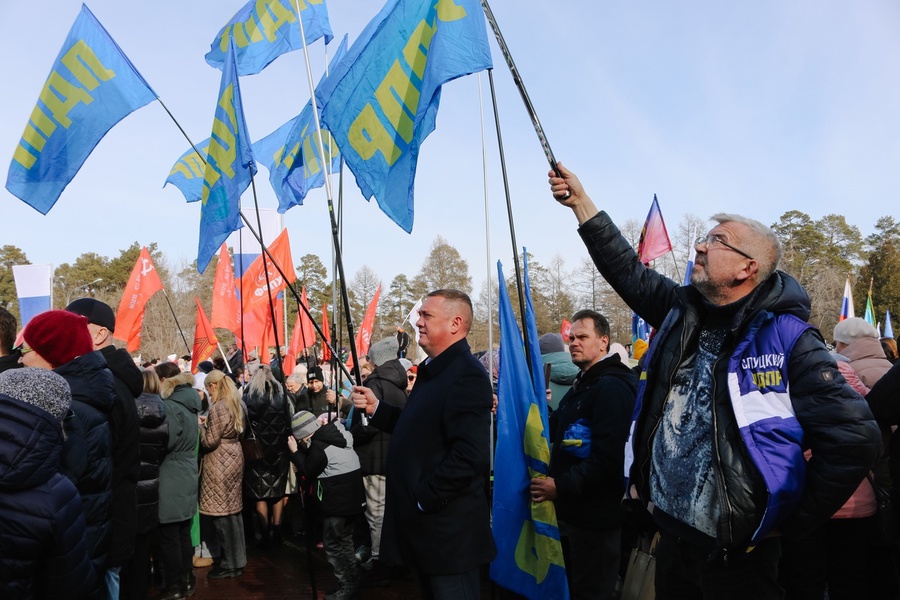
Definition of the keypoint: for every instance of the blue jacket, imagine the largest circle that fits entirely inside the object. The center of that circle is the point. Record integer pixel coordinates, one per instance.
(43, 550)
(836, 423)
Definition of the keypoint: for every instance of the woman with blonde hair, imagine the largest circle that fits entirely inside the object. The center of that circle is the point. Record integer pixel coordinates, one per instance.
(221, 471)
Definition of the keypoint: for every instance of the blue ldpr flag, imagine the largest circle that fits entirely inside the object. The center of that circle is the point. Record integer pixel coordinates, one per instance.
(529, 554)
(187, 172)
(263, 30)
(229, 167)
(382, 101)
(91, 87)
(291, 152)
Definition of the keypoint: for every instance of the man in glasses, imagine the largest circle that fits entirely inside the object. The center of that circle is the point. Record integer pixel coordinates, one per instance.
(736, 381)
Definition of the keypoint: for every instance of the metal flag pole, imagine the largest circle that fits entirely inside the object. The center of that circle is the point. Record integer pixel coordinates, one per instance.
(487, 252)
(177, 324)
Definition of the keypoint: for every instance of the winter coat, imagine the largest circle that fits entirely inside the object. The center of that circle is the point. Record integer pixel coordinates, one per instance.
(126, 460)
(562, 375)
(222, 465)
(268, 414)
(388, 382)
(438, 460)
(43, 549)
(598, 409)
(10, 361)
(178, 471)
(153, 447)
(87, 450)
(836, 423)
(867, 360)
(331, 459)
(318, 402)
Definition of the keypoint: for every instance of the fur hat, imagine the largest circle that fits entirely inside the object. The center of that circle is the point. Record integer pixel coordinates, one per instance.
(384, 350)
(58, 336)
(551, 342)
(315, 374)
(98, 313)
(303, 423)
(38, 387)
(852, 329)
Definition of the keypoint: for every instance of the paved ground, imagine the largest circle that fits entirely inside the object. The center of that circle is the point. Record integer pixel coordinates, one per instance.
(282, 573)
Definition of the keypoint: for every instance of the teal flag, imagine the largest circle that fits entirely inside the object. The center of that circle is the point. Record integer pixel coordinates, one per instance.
(381, 102)
(91, 87)
(529, 553)
(291, 152)
(187, 172)
(229, 167)
(263, 30)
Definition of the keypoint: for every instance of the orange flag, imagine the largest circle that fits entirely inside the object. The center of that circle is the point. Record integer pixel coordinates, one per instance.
(326, 347)
(253, 281)
(205, 340)
(226, 308)
(364, 335)
(143, 283)
(304, 334)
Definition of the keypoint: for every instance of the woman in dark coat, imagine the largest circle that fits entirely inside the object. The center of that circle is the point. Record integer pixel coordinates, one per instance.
(265, 480)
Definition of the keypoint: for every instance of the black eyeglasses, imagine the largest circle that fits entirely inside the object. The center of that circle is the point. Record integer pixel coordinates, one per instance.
(713, 239)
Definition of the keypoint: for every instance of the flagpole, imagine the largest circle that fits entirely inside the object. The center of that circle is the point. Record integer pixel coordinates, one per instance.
(487, 244)
(520, 288)
(535, 122)
(177, 324)
(328, 194)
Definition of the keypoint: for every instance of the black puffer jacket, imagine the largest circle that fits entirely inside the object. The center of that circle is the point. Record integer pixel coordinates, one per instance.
(43, 551)
(151, 412)
(388, 382)
(837, 424)
(87, 452)
(123, 423)
(268, 416)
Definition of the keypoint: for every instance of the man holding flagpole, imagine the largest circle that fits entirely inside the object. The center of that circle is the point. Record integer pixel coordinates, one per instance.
(737, 385)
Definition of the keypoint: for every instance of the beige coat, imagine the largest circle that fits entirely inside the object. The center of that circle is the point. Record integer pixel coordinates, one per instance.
(867, 359)
(222, 467)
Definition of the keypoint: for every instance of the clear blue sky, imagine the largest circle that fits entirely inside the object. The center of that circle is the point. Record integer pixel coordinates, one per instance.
(754, 108)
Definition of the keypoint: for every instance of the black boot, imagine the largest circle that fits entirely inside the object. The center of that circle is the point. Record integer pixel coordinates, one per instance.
(175, 591)
(379, 575)
(190, 582)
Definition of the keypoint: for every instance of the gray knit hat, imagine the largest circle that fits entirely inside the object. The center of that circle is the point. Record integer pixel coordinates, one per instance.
(303, 423)
(384, 351)
(38, 387)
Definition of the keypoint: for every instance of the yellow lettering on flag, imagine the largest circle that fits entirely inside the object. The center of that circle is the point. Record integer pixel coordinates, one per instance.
(85, 65)
(272, 15)
(368, 135)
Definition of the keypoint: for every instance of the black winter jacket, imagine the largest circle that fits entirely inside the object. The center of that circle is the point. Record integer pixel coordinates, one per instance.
(87, 451)
(154, 445)
(126, 460)
(590, 489)
(838, 426)
(331, 459)
(271, 424)
(43, 551)
(10, 361)
(388, 382)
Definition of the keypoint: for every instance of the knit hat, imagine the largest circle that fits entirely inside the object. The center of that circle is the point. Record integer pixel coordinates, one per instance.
(98, 313)
(303, 423)
(38, 387)
(315, 374)
(58, 336)
(551, 342)
(384, 350)
(637, 350)
(407, 364)
(205, 366)
(852, 329)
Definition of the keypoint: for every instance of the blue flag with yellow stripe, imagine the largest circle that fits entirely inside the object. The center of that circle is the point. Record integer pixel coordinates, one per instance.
(263, 30)
(91, 87)
(187, 172)
(529, 553)
(382, 101)
(229, 167)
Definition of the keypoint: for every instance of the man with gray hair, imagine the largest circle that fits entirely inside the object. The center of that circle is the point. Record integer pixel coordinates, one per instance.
(737, 384)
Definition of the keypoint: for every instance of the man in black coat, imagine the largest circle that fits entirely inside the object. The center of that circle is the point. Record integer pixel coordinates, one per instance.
(125, 428)
(589, 431)
(437, 514)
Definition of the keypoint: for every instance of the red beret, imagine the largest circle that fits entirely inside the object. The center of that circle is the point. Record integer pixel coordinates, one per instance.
(58, 336)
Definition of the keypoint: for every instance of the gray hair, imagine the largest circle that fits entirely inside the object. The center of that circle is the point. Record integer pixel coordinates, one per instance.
(297, 378)
(766, 247)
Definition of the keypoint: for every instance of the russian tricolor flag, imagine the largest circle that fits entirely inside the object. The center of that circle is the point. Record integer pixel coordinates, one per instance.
(847, 304)
(33, 283)
(692, 256)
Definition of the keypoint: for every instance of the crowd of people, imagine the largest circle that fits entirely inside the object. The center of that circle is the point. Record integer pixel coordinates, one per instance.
(761, 458)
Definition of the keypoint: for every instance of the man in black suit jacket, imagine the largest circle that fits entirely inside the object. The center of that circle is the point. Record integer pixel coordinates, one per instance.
(436, 503)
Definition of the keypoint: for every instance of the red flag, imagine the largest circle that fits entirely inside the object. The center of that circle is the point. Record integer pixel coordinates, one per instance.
(205, 340)
(654, 237)
(364, 335)
(226, 308)
(254, 279)
(143, 283)
(304, 334)
(326, 347)
(564, 330)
